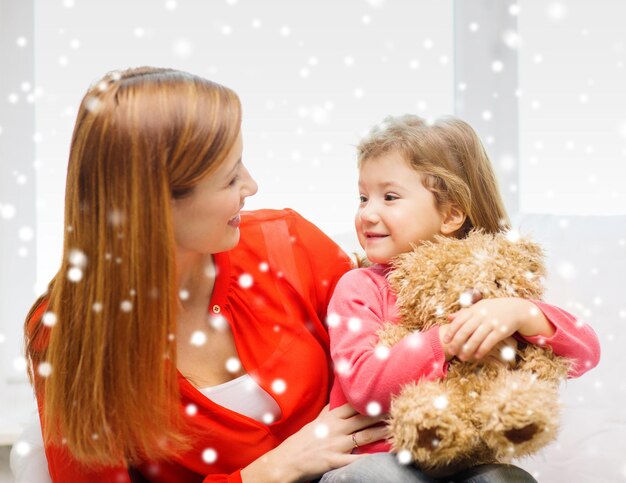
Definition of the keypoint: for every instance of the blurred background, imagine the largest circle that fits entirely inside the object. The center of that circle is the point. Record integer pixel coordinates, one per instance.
(543, 83)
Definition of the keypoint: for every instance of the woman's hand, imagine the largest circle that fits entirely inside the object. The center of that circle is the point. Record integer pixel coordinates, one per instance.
(324, 444)
(475, 330)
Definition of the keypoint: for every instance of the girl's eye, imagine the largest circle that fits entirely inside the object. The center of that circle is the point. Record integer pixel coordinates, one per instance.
(390, 197)
(362, 199)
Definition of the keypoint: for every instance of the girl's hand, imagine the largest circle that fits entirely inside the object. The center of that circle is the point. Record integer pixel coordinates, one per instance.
(324, 444)
(475, 330)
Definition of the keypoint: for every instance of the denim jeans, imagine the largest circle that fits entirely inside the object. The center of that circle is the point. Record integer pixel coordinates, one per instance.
(385, 468)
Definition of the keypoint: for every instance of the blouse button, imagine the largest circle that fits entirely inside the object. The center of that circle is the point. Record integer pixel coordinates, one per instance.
(216, 309)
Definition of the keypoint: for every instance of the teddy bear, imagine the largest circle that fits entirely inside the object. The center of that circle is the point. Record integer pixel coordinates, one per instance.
(491, 411)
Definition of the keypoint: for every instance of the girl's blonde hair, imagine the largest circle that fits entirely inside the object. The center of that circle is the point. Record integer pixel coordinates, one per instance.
(456, 167)
(142, 137)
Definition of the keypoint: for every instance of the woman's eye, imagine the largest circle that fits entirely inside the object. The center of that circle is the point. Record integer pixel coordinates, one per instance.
(233, 181)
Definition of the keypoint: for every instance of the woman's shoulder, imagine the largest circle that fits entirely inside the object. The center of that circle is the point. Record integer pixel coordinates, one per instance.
(287, 228)
(269, 214)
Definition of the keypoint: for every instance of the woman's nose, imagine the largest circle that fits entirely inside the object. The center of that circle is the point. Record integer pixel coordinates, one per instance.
(249, 187)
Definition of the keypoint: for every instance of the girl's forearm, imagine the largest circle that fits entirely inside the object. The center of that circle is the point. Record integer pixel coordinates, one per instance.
(533, 321)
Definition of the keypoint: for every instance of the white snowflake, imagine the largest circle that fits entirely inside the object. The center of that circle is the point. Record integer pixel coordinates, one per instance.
(218, 322)
(566, 270)
(382, 352)
(511, 39)
(333, 320)
(183, 48)
(321, 430)
(209, 456)
(75, 274)
(556, 11)
(404, 457)
(440, 402)
(44, 369)
(354, 324)
(49, 319)
(373, 408)
(465, 299)
(77, 258)
(279, 386)
(116, 217)
(22, 448)
(198, 338)
(233, 364)
(19, 364)
(513, 235)
(507, 353)
(343, 367)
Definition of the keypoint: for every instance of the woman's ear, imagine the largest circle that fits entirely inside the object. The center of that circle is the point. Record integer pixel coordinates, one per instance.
(452, 221)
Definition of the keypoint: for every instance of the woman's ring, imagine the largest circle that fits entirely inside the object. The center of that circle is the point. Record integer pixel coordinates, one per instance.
(356, 445)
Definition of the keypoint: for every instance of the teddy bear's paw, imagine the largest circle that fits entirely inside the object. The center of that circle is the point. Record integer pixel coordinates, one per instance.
(523, 434)
(428, 438)
(430, 424)
(519, 416)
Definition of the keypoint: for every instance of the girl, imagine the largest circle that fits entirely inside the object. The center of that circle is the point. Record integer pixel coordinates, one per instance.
(416, 181)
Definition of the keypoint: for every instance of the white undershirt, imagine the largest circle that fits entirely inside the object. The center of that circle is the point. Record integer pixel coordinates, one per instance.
(244, 396)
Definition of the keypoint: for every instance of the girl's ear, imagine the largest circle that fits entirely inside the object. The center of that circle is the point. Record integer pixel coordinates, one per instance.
(452, 221)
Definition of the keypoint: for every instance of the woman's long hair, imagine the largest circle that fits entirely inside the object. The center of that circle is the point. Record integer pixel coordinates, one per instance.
(100, 343)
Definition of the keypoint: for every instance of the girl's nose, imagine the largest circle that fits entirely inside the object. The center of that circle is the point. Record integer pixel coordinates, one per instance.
(368, 214)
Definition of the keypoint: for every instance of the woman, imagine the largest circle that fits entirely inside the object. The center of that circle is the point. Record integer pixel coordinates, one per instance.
(134, 377)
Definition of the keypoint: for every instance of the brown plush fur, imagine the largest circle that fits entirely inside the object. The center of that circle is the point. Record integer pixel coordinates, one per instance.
(479, 413)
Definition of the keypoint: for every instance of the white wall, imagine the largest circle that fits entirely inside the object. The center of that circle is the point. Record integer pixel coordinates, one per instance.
(312, 77)
(572, 68)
